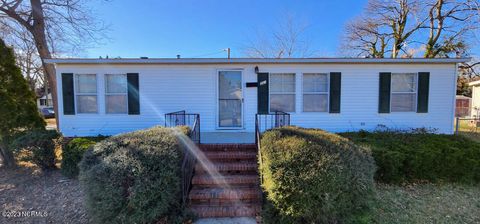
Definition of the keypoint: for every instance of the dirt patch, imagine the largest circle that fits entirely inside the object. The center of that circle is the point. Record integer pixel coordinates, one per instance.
(40, 197)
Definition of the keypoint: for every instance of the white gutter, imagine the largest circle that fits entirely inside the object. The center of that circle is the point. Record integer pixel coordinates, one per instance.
(255, 60)
(474, 83)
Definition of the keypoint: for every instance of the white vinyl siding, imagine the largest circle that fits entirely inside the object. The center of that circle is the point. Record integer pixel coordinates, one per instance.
(282, 92)
(403, 92)
(116, 94)
(86, 93)
(315, 92)
(168, 88)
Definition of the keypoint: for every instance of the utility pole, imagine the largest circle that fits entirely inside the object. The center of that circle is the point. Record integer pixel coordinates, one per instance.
(228, 53)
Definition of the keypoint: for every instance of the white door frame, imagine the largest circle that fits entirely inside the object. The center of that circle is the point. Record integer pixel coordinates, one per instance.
(217, 111)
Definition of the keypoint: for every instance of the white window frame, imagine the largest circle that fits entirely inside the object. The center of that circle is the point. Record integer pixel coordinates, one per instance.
(415, 92)
(115, 94)
(316, 93)
(294, 93)
(76, 93)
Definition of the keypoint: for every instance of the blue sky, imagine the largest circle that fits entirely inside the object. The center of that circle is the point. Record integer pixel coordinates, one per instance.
(198, 28)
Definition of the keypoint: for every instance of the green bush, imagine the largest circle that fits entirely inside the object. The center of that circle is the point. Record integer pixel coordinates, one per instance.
(72, 154)
(41, 147)
(134, 177)
(311, 176)
(412, 156)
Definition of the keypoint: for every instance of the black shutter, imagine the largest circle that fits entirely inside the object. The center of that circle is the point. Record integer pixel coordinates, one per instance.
(262, 92)
(67, 94)
(384, 92)
(423, 88)
(335, 91)
(133, 93)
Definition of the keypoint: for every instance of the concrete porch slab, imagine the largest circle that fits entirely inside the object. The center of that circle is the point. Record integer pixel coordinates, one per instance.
(238, 220)
(227, 137)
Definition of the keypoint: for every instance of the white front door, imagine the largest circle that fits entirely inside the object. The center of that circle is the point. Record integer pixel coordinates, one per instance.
(230, 100)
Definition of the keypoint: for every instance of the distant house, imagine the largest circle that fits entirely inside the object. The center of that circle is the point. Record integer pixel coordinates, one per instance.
(475, 98)
(45, 101)
(111, 96)
(463, 106)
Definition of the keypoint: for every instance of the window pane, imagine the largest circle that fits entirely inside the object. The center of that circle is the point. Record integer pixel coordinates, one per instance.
(230, 113)
(86, 83)
(315, 83)
(282, 102)
(230, 84)
(281, 82)
(116, 83)
(402, 102)
(403, 82)
(315, 102)
(116, 104)
(87, 104)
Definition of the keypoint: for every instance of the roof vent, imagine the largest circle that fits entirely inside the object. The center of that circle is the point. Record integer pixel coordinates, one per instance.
(143, 57)
(178, 56)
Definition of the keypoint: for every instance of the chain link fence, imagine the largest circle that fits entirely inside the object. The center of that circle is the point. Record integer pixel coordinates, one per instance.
(468, 126)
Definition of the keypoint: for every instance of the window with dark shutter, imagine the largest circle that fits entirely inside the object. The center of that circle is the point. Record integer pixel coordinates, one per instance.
(68, 94)
(384, 92)
(133, 93)
(262, 93)
(423, 89)
(335, 91)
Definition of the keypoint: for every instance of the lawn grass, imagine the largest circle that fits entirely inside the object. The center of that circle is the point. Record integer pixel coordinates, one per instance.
(426, 203)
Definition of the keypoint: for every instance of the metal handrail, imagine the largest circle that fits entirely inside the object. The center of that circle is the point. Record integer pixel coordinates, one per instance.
(271, 120)
(181, 118)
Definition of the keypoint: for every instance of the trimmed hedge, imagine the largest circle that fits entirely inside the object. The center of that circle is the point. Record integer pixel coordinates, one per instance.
(312, 176)
(134, 177)
(72, 154)
(40, 144)
(408, 157)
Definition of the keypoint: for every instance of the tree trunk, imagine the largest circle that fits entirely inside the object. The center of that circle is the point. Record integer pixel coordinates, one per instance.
(38, 33)
(7, 156)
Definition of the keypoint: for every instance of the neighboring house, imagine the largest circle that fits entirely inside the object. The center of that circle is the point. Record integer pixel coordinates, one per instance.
(475, 98)
(44, 101)
(111, 96)
(463, 106)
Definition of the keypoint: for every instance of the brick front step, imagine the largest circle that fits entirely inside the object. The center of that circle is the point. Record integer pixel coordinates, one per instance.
(226, 210)
(207, 180)
(225, 194)
(225, 167)
(231, 155)
(228, 147)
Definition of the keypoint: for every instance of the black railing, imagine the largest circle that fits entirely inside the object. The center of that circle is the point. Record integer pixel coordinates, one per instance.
(264, 122)
(180, 118)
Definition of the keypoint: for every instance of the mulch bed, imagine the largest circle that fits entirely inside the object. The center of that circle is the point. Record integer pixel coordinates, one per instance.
(40, 197)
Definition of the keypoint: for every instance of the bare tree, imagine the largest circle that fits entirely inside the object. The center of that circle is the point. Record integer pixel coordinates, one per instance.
(364, 36)
(51, 25)
(386, 24)
(403, 22)
(450, 22)
(287, 41)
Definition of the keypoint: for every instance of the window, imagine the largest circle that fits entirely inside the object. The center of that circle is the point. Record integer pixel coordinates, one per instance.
(404, 92)
(282, 92)
(86, 93)
(315, 92)
(116, 94)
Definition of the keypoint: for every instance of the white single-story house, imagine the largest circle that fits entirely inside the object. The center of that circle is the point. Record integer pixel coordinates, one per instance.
(45, 101)
(475, 99)
(111, 96)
